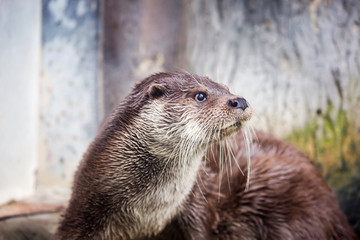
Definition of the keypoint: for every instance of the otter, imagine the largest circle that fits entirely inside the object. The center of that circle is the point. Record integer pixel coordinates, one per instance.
(171, 162)
(143, 163)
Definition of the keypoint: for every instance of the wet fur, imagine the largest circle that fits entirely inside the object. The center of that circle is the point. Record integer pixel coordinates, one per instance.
(287, 197)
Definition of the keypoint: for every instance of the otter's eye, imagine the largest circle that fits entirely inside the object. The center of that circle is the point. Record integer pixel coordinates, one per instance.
(200, 97)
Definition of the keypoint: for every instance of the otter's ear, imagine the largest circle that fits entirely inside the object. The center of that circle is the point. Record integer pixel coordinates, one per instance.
(156, 91)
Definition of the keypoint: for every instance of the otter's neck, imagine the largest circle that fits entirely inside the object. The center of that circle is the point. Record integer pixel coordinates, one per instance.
(163, 181)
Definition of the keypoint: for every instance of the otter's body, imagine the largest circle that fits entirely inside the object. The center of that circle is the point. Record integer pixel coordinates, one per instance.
(145, 177)
(287, 198)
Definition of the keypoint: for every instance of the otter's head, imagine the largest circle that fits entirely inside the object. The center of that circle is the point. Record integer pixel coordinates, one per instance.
(181, 110)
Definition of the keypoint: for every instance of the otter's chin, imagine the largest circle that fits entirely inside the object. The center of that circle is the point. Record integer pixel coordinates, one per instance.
(231, 128)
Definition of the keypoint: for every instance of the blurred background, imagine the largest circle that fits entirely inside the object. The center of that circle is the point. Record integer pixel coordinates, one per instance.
(65, 64)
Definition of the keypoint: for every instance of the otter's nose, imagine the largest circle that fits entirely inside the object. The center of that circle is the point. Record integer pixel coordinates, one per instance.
(237, 103)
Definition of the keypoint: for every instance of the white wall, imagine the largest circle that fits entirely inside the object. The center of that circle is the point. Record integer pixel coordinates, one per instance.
(19, 82)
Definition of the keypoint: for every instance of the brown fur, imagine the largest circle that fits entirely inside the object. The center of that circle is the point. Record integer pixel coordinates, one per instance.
(287, 198)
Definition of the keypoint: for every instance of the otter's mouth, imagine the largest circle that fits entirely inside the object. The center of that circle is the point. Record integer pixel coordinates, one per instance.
(236, 124)
(230, 128)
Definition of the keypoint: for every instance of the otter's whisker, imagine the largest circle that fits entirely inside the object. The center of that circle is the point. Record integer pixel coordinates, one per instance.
(247, 145)
(236, 162)
(213, 154)
(201, 192)
(194, 78)
(204, 167)
(221, 161)
(227, 166)
(229, 152)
